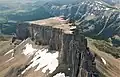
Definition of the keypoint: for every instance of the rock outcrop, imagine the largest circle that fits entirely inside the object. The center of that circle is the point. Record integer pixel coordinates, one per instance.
(75, 59)
(50, 47)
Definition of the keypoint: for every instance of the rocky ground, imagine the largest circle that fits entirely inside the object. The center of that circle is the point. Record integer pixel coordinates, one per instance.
(11, 65)
(22, 61)
(107, 65)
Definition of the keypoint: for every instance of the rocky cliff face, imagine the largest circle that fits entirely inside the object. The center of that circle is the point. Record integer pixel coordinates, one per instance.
(75, 60)
(22, 31)
(59, 36)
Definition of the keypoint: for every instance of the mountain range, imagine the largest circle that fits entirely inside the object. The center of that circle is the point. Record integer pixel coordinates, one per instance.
(99, 18)
(96, 19)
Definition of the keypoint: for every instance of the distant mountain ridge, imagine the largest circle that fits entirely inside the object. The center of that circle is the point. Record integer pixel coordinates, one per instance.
(96, 17)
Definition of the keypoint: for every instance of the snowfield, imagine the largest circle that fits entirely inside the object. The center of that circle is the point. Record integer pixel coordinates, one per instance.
(42, 59)
(29, 50)
(59, 75)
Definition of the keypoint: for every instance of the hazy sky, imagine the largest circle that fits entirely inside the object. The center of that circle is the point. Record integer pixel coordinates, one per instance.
(31, 1)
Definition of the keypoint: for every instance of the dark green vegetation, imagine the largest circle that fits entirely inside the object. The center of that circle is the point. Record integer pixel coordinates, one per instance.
(106, 47)
(39, 13)
(3, 21)
(8, 28)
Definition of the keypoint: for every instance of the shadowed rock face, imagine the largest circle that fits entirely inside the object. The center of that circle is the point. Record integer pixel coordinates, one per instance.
(22, 31)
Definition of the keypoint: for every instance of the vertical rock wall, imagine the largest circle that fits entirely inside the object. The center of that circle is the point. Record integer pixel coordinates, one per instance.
(22, 31)
(70, 46)
(74, 59)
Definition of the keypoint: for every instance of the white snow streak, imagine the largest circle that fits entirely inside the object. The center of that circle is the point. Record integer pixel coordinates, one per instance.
(59, 75)
(42, 59)
(12, 50)
(103, 60)
(99, 2)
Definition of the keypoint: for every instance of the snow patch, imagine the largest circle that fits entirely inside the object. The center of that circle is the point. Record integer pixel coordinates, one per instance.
(107, 9)
(119, 16)
(104, 61)
(103, 16)
(42, 59)
(95, 8)
(29, 50)
(82, 2)
(69, 69)
(99, 8)
(98, 2)
(60, 75)
(92, 14)
(73, 27)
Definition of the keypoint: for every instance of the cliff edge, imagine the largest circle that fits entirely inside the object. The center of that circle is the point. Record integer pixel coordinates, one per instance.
(50, 48)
